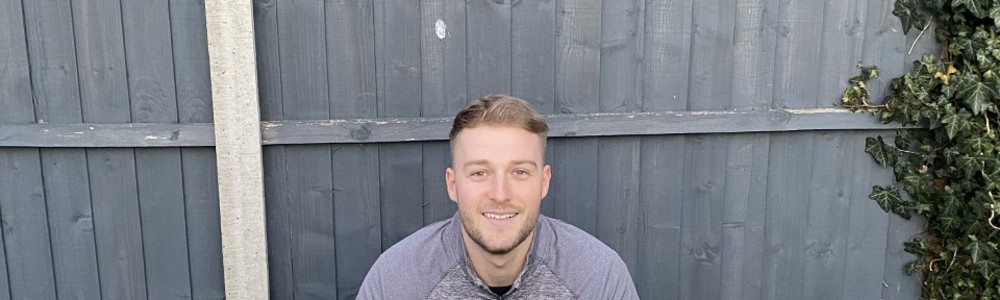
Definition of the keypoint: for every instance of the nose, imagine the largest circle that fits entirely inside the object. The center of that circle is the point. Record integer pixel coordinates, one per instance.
(500, 190)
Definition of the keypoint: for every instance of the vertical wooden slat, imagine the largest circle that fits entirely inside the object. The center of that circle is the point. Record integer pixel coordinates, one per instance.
(15, 88)
(701, 221)
(398, 69)
(703, 231)
(666, 62)
(443, 86)
(489, 41)
(105, 97)
(618, 158)
(532, 53)
(116, 223)
(153, 99)
(305, 94)
(229, 29)
(825, 248)
(277, 205)
(24, 222)
(657, 273)
(200, 178)
(867, 226)
(577, 80)
(55, 92)
(618, 206)
(351, 73)
(751, 88)
(15, 107)
(357, 215)
(787, 215)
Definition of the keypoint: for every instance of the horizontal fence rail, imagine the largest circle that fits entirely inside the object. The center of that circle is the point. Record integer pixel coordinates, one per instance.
(389, 130)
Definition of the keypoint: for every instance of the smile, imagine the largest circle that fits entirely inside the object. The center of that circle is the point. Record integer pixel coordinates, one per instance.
(495, 216)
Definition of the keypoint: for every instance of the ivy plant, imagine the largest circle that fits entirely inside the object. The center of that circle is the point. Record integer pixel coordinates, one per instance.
(949, 162)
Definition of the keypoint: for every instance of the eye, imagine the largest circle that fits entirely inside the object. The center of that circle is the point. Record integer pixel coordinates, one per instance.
(521, 173)
(478, 174)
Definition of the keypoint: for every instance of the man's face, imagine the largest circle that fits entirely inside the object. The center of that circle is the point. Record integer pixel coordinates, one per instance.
(498, 180)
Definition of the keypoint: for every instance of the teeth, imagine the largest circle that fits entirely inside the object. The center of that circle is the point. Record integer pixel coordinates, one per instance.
(499, 216)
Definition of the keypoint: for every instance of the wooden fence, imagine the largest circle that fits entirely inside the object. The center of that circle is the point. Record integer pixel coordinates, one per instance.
(696, 138)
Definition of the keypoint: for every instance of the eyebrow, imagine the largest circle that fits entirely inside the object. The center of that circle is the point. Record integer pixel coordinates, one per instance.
(484, 162)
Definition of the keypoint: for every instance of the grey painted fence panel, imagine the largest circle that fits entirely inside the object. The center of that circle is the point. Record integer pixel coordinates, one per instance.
(533, 53)
(153, 98)
(199, 177)
(701, 203)
(488, 36)
(397, 44)
(26, 230)
(204, 236)
(15, 89)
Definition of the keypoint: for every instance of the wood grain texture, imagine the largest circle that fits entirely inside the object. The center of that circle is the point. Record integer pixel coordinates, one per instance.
(357, 215)
(702, 212)
(577, 80)
(117, 227)
(275, 185)
(488, 38)
(24, 220)
(667, 54)
(153, 98)
(305, 96)
(618, 158)
(444, 84)
(789, 170)
(533, 53)
(753, 42)
(15, 88)
(198, 165)
(53, 61)
(867, 225)
(351, 70)
(660, 192)
(398, 70)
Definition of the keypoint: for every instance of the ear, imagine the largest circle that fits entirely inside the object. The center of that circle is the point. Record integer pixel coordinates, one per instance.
(449, 181)
(546, 177)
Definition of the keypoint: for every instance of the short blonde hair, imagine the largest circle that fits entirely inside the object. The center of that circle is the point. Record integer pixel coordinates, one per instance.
(499, 110)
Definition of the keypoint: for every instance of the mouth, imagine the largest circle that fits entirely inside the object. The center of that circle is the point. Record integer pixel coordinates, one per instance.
(499, 216)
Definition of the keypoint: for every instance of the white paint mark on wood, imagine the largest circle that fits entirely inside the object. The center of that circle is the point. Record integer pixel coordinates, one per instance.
(440, 29)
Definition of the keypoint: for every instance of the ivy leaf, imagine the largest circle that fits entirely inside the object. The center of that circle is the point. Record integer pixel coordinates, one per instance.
(907, 13)
(975, 8)
(889, 199)
(953, 123)
(995, 14)
(977, 95)
(877, 148)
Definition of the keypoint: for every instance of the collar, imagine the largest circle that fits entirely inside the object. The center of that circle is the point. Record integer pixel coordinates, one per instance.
(455, 231)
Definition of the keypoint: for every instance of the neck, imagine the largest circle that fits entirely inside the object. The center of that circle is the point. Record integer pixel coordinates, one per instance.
(497, 270)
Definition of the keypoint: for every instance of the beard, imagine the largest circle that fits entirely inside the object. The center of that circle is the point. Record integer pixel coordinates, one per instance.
(477, 235)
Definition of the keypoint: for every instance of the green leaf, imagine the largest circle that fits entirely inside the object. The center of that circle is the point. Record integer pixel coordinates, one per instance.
(878, 150)
(953, 123)
(889, 199)
(977, 95)
(995, 15)
(972, 5)
(907, 13)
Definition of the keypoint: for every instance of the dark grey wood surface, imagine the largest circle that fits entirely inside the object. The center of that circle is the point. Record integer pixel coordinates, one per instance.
(694, 138)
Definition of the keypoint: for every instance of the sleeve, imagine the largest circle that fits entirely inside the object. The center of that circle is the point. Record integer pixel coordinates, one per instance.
(371, 287)
(618, 284)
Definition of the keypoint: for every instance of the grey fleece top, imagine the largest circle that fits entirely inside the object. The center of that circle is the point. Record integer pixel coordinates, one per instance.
(563, 262)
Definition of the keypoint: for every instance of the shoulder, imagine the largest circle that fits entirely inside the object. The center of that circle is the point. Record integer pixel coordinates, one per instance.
(586, 265)
(415, 264)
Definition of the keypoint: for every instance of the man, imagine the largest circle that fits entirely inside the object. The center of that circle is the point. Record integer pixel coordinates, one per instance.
(498, 246)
